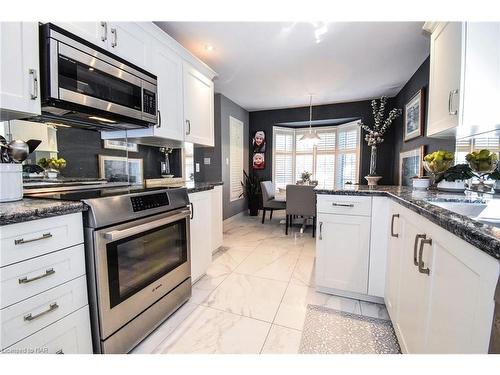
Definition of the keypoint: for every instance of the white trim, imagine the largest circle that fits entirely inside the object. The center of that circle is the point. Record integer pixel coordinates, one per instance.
(235, 192)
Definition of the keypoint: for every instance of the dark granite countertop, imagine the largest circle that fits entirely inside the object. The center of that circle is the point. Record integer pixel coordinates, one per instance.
(32, 209)
(195, 187)
(483, 236)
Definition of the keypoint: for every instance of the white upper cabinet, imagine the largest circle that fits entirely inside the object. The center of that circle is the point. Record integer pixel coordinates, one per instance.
(130, 42)
(444, 79)
(198, 107)
(464, 82)
(94, 32)
(19, 70)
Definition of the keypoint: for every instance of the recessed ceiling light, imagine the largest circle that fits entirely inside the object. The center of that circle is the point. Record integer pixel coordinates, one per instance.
(209, 47)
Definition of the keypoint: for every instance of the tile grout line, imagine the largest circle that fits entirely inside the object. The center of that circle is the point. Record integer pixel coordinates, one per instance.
(279, 305)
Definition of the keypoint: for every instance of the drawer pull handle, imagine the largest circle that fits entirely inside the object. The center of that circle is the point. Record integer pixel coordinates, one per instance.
(392, 226)
(48, 272)
(22, 241)
(52, 307)
(421, 268)
(415, 245)
(342, 204)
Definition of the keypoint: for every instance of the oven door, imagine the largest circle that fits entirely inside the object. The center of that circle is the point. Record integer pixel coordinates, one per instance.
(137, 263)
(85, 79)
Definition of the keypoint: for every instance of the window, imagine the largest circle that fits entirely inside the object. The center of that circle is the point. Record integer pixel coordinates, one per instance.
(235, 158)
(464, 146)
(334, 161)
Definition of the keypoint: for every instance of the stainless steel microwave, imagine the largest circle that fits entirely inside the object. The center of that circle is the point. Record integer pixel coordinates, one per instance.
(85, 85)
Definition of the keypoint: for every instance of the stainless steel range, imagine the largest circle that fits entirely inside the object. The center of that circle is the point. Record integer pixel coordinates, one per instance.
(138, 260)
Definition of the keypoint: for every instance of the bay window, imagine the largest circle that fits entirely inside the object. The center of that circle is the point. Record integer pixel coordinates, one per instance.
(333, 161)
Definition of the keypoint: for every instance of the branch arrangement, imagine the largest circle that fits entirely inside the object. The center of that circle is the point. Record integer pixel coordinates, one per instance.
(374, 135)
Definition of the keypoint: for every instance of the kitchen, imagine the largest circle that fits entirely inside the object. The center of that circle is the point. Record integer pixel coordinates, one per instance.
(141, 170)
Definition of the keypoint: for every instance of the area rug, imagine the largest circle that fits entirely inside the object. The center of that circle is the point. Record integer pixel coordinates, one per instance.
(328, 331)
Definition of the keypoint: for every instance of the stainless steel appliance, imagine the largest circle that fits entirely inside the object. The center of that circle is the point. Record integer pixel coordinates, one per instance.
(85, 85)
(138, 260)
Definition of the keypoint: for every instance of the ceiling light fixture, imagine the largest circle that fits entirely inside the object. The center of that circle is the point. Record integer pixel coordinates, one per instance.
(311, 138)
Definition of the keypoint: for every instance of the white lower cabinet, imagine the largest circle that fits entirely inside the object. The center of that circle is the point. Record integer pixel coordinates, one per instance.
(439, 289)
(69, 335)
(342, 252)
(200, 233)
(43, 287)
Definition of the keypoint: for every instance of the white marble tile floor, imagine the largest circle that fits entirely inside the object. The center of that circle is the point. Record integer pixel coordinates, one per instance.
(254, 296)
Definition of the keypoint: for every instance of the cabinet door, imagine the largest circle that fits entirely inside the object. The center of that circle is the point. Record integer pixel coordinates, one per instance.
(444, 80)
(414, 291)
(462, 298)
(201, 252)
(130, 42)
(393, 275)
(168, 68)
(343, 252)
(198, 107)
(94, 32)
(19, 70)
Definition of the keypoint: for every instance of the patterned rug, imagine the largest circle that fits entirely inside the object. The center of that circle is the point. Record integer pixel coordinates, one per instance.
(328, 331)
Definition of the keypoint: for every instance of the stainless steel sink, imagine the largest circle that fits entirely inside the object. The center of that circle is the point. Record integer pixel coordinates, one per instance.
(466, 208)
(462, 208)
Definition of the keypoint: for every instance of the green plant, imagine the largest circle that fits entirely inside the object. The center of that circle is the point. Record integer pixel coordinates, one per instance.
(306, 176)
(52, 163)
(495, 175)
(456, 173)
(252, 192)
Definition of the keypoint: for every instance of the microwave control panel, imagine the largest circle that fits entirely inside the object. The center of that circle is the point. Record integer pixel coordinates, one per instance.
(147, 202)
(149, 102)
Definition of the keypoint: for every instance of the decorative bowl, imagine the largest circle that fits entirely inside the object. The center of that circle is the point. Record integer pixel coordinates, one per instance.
(436, 168)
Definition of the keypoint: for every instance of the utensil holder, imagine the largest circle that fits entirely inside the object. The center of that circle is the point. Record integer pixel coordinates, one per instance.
(11, 182)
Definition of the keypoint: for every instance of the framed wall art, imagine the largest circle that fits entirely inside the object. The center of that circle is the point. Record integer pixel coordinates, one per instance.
(414, 116)
(410, 165)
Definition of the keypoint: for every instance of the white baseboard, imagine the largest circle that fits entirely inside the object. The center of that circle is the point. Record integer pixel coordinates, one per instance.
(343, 293)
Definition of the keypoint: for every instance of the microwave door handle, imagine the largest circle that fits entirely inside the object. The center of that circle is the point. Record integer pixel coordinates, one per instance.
(123, 233)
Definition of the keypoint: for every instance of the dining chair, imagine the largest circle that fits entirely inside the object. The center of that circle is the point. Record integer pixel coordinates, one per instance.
(300, 201)
(268, 201)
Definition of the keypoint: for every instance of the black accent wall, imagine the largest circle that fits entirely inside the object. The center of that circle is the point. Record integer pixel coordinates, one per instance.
(81, 149)
(420, 79)
(264, 120)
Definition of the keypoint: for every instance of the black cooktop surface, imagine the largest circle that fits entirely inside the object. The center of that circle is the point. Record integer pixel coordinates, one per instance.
(79, 195)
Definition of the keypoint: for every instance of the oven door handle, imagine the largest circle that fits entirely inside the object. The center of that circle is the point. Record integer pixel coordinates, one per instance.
(124, 233)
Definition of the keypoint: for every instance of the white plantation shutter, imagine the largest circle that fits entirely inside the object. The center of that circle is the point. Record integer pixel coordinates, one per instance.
(335, 160)
(188, 161)
(489, 142)
(463, 147)
(347, 154)
(235, 158)
(283, 160)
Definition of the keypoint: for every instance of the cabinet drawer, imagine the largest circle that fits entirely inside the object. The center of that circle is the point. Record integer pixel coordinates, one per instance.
(34, 238)
(344, 205)
(26, 279)
(31, 315)
(70, 335)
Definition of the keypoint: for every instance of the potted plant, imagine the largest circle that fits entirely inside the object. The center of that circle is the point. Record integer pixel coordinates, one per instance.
(495, 176)
(453, 179)
(252, 192)
(52, 166)
(306, 177)
(374, 135)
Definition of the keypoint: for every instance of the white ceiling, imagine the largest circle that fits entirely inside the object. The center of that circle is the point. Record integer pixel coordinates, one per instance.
(264, 65)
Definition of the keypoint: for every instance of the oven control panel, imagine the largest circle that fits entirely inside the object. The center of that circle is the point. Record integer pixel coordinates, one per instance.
(147, 202)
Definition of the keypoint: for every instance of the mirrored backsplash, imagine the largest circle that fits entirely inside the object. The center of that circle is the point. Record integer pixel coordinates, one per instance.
(87, 156)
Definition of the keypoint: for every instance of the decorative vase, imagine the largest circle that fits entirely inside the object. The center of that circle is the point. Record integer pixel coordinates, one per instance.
(372, 178)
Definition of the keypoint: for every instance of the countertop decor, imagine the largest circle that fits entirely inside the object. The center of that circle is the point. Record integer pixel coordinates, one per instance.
(483, 236)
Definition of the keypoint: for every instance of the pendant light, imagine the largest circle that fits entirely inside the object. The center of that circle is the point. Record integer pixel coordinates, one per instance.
(311, 138)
